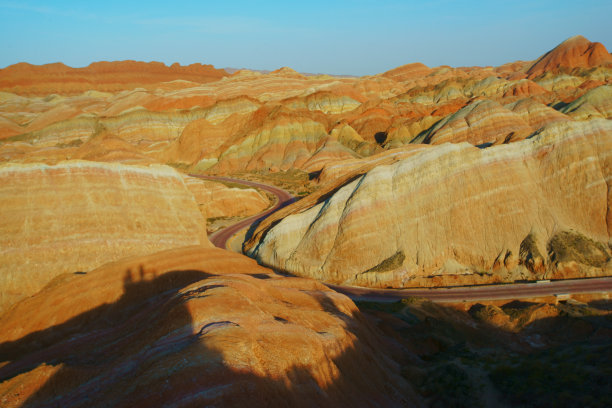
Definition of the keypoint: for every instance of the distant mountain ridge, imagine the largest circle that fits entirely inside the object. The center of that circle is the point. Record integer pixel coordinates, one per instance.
(113, 76)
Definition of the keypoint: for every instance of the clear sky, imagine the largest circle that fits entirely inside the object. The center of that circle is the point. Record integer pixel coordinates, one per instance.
(356, 37)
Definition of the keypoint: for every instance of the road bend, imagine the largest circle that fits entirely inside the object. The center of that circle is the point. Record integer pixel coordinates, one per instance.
(283, 198)
(559, 288)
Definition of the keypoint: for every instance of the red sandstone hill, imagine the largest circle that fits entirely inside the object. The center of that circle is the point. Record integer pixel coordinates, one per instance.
(24, 78)
(575, 52)
(408, 71)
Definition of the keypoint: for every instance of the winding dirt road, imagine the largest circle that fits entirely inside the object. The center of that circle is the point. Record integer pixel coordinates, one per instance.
(220, 238)
(456, 294)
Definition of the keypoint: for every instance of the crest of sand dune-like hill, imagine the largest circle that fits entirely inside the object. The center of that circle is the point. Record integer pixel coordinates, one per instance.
(8, 128)
(28, 79)
(456, 214)
(575, 52)
(193, 327)
(77, 215)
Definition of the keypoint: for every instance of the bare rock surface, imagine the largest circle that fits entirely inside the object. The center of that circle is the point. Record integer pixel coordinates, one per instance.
(78, 215)
(456, 214)
(575, 52)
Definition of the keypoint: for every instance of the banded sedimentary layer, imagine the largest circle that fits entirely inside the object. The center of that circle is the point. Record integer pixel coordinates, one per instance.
(76, 216)
(205, 120)
(454, 213)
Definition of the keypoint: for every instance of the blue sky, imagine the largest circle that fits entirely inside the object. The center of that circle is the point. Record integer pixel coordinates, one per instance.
(355, 37)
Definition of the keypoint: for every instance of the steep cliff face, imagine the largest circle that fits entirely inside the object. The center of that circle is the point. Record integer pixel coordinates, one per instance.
(193, 327)
(77, 215)
(456, 214)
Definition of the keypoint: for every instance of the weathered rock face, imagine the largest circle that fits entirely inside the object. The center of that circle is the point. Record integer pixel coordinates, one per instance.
(282, 141)
(575, 52)
(193, 327)
(456, 214)
(78, 215)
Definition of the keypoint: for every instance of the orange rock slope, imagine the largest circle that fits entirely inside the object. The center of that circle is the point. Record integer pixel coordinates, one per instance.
(76, 216)
(58, 78)
(192, 327)
(575, 52)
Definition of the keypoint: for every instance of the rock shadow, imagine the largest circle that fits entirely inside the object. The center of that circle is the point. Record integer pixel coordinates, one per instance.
(146, 350)
(87, 345)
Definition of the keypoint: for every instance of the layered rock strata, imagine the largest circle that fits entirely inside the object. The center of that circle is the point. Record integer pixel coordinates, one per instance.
(575, 52)
(456, 214)
(76, 216)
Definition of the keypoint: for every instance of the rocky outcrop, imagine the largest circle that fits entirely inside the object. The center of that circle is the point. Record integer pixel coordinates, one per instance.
(456, 214)
(103, 146)
(151, 132)
(193, 327)
(408, 71)
(575, 52)
(8, 128)
(77, 215)
(340, 169)
(328, 151)
(324, 101)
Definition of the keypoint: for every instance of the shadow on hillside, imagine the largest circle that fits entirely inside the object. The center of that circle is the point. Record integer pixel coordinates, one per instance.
(145, 350)
(451, 355)
(105, 325)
